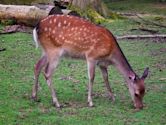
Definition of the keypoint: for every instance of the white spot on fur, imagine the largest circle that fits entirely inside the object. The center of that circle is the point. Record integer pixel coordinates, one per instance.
(88, 31)
(63, 38)
(65, 22)
(59, 24)
(98, 39)
(50, 21)
(67, 41)
(45, 29)
(72, 29)
(69, 34)
(85, 29)
(54, 20)
(69, 23)
(60, 36)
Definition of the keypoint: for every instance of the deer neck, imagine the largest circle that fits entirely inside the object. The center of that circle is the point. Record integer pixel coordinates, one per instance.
(121, 63)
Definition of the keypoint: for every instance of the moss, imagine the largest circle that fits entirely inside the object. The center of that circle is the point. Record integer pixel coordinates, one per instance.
(78, 10)
(95, 16)
(7, 22)
(89, 13)
(113, 15)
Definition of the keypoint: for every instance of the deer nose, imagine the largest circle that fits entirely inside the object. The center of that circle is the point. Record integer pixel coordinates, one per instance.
(139, 106)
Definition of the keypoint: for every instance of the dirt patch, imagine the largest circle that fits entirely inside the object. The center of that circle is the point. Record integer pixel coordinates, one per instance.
(16, 28)
(69, 78)
(163, 50)
(74, 104)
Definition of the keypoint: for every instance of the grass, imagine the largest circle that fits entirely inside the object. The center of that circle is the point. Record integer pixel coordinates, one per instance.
(141, 6)
(16, 78)
(149, 10)
(70, 81)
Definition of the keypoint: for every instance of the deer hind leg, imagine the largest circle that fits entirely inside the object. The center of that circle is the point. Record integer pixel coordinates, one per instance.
(51, 65)
(38, 67)
(106, 81)
(91, 73)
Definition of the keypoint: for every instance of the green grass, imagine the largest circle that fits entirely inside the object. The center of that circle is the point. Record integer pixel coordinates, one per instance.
(138, 6)
(16, 80)
(70, 80)
(149, 10)
(121, 27)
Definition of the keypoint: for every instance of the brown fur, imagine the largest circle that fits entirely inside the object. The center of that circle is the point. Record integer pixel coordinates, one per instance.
(61, 35)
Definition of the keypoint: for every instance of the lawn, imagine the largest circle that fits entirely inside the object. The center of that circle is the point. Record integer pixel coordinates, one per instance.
(70, 80)
(138, 6)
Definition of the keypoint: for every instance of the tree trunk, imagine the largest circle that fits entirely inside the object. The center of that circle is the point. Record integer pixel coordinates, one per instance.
(81, 3)
(28, 15)
(97, 5)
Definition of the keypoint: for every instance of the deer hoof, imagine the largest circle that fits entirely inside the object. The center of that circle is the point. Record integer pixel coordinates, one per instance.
(58, 106)
(90, 104)
(34, 98)
(112, 98)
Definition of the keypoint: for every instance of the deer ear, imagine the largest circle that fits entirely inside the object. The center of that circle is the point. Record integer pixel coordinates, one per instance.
(145, 74)
(132, 76)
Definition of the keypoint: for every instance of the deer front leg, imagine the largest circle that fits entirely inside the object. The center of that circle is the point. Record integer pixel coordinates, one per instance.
(38, 67)
(106, 81)
(91, 75)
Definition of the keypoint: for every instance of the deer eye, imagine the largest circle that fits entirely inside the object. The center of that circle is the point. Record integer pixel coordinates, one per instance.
(136, 94)
(142, 92)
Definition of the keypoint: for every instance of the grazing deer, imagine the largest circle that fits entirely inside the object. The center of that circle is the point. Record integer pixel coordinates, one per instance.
(70, 36)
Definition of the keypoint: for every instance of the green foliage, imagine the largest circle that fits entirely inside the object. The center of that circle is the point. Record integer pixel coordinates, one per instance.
(114, 15)
(90, 14)
(94, 16)
(7, 22)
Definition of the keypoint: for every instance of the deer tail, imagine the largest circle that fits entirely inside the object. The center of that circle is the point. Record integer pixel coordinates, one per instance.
(35, 37)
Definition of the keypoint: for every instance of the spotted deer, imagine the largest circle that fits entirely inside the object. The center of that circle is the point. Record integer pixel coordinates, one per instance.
(71, 36)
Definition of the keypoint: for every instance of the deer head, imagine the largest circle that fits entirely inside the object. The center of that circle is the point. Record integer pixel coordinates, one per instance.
(137, 88)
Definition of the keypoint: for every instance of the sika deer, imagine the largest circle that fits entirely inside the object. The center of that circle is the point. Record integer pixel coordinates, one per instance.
(70, 36)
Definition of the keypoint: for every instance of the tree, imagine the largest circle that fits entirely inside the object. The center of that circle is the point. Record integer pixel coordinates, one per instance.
(97, 5)
(29, 15)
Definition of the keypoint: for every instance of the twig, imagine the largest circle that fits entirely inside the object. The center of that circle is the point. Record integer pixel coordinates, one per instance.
(162, 79)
